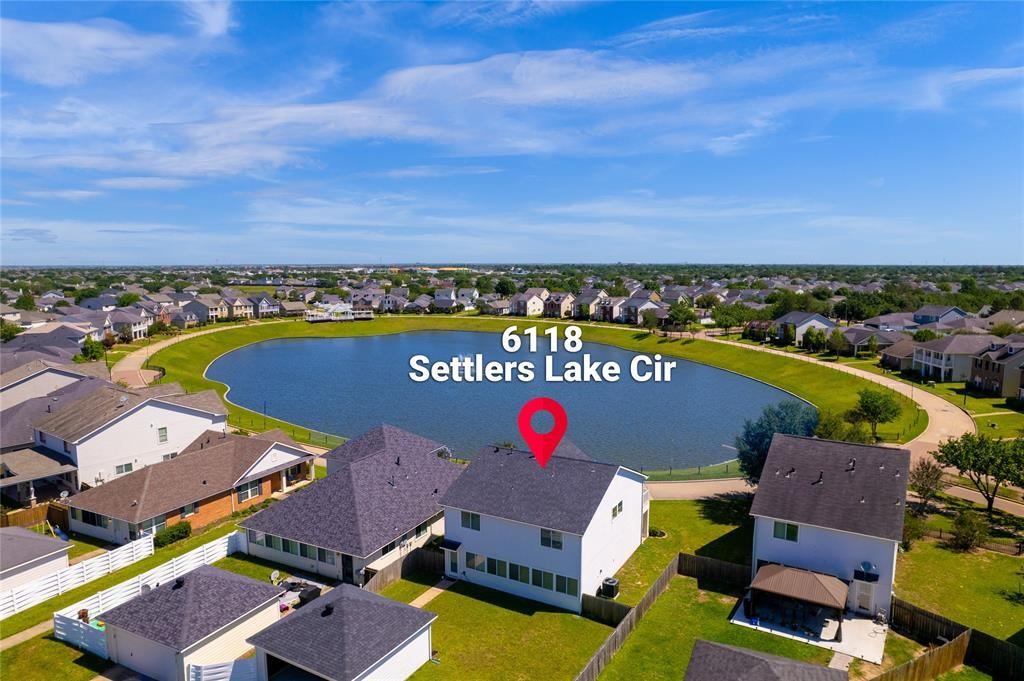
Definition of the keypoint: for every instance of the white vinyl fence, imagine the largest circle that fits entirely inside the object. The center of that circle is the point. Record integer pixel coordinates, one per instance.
(236, 670)
(25, 596)
(69, 628)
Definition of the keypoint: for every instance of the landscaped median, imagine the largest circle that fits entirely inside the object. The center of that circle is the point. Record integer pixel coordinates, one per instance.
(827, 389)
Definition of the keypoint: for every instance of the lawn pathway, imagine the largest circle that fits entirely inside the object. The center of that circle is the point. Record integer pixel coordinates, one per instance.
(22, 636)
(432, 593)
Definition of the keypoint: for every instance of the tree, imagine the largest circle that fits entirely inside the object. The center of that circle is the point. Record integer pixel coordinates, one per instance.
(109, 340)
(8, 331)
(873, 346)
(25, 302)
(1003, 329)
(875, 407)
(913, 529)
(814, 340)
(788, 335)
(649, 319)
(836, 341)
(831, 426)
(988, 464)
(925, 335)
(969, 531)
(708, 301)
(926, 480)
(126, 299)
(681, 314)
(505, 287)
(789, 417)
(91, 349)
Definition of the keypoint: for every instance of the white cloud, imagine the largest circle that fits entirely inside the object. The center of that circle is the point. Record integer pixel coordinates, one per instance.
(210, 17)
(62, 194)
(423, 171)
(142, 183)
(497, 14)
(61, 54)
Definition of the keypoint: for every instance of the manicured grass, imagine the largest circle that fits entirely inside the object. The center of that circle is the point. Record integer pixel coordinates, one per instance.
(661, 645)
(1008, 424)
(408, 588)
(252, 567)
(980, 590)
(898, 650)
(965, 673)
(826, 389)
(1004, 528)
(44, 658)
(44, 611)
(486, 634)
(319, 471)
(81, 544)
(725, 469)
(718, 527)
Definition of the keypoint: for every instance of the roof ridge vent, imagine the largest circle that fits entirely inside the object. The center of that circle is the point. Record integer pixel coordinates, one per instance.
(791, 471)
(821, 478)
(851, 465)
(862, 500)
(328, 609)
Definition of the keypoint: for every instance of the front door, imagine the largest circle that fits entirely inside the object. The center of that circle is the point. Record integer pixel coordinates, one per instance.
(346, 569)
(453, 563)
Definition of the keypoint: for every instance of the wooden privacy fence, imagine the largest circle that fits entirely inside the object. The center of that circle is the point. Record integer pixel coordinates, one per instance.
(1001, 659)
(56, 513)
(933, 663)
(425, 560)
(69, 628)
(702, 567)
(617, 638)
(38, 590)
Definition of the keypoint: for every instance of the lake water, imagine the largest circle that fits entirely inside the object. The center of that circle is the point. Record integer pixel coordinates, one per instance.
(349, 385)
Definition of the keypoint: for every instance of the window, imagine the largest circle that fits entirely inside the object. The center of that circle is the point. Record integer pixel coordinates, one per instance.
(325, 556)
(94, 519)
(551, 539)
(474, 562)
(289, 546)
(573, 587)
(388, 548)
(274, 542)
(42, 437)
(307, 551)
(543, 579)
(123, 468)
(453, 561)
(421, 529)
(496, 567)
(257, 538)
(153, 525)
(168, 457)
(519, 573)
(616, 510)
(471, 520)
(787, 531)
(249, 490)
(189, 509)
(161, 434)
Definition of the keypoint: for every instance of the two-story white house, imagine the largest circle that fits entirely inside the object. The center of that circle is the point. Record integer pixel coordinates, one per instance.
(549, 534)
(833, 509)
(112, 431)
(801, 322)
(951, 358)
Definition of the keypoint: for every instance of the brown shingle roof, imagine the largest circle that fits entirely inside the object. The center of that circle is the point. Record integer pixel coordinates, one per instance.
(212, 464)
(803, 585)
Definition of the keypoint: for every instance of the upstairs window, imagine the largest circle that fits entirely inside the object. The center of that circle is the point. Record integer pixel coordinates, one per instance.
(471, 520)
(785, 531)
(551, 539)
(616, 510)
(161, 434)
(123, 468)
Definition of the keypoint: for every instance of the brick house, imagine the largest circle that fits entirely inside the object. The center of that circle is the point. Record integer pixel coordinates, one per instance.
(209, 480)
(998, 370)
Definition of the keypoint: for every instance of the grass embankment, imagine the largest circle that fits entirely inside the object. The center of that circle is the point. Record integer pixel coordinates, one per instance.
(828, 390)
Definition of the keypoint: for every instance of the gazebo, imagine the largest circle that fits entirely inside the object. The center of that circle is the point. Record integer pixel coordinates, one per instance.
(793, 584)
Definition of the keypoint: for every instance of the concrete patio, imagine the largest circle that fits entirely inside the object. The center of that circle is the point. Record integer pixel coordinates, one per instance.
(862, 638)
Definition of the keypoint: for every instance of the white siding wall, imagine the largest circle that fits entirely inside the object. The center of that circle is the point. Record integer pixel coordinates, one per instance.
(403, 661)
(813, 324)
(278, 456)
(516, 543)
(134, 439)
(609, 543)
(295, 561)
(25, 573)
(38, 385)
(142, 655)
(829, 551)
(117, 533)
(230, 643)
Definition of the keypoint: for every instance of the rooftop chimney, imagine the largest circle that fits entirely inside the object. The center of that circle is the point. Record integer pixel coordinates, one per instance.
(179, 582)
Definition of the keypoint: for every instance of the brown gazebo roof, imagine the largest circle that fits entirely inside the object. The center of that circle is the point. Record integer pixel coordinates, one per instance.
(802, 585)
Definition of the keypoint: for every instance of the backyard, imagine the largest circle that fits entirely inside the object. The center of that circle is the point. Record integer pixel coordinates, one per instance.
(44, 658)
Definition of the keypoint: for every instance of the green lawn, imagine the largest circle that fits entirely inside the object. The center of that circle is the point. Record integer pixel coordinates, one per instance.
(980, 590)
(44, 658)
(828, 390)
(485, 634)
(408, 588)
(725, 469)
(44, 611)
(319, 471)
(718, 527)
(250, 566)
(81, 544)
(660, 646)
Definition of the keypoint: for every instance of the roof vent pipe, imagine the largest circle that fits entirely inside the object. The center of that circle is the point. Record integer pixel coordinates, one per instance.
(821, 478)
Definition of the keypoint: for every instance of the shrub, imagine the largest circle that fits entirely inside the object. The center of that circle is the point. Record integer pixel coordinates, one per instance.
(172, 533)
(969, 531)
(913, 529)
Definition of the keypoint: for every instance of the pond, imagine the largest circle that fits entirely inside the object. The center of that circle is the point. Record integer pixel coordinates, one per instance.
(346, 386)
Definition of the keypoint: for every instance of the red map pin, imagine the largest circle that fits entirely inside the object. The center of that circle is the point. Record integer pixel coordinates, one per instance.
(542, 444)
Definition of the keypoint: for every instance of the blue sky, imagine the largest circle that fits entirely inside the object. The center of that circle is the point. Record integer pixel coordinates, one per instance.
(168, 133)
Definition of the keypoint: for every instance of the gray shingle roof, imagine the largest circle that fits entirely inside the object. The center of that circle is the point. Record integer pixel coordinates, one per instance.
(17, 421)
(360, 629)
(508, 483)
(19, 546)
(862, 488)
(717, 662)
(369, 501)
(179, 616)
(385, 439)
(961, 343)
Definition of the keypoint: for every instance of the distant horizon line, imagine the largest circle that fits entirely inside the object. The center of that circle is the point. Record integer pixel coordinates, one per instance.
(472, 264)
